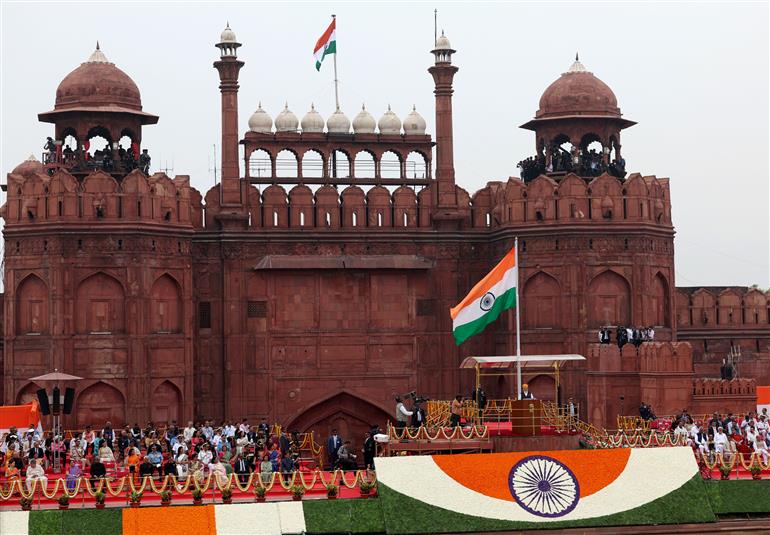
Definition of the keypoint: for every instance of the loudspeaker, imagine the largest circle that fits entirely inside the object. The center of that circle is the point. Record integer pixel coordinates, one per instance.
(42, 398)
(56, 408)
(69, 399)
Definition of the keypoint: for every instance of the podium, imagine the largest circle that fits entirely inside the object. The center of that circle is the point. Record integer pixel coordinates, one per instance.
(526, 416)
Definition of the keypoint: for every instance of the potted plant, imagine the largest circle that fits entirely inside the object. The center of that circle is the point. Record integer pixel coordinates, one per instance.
(227, 495)
(165, 498)
(99, 497)
(296, 492)
(756, 470)
(26, 503)
(64, 502)
(365, 488)
(135, 499)
(259, 492)
(332, 491)
(725, 471)
(197, 495)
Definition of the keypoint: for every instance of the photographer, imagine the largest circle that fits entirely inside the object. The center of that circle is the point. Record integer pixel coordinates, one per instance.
(402, 414)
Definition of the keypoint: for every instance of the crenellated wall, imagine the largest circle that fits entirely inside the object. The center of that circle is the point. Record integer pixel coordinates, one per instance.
(98, 282)
(718, 320)
(542, 202)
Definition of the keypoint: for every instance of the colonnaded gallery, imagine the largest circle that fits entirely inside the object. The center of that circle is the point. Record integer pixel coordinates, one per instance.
(313, 282)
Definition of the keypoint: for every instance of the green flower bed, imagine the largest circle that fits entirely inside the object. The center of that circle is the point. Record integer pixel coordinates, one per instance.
(343, 516)
(688, 504)
(738, 496)
(76, 522)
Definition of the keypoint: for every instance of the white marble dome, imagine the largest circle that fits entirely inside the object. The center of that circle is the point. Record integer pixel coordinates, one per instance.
(364, 123)
(286, 121)
(260, 121)
(312, 121)
(338, 123)
(389, 123)
(414, 124)
(442, 43)
(228, 35)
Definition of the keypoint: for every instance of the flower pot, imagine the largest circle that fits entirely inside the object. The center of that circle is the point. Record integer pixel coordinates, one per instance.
(165, 504)
(296, 498)
(197, 501)
(261, 499)
(100, 505)
(26, 507)
(227, 500)
(331, 496)
(725, 476)
(134, 505)
(64, 507)
(365, 494)
(758, 475)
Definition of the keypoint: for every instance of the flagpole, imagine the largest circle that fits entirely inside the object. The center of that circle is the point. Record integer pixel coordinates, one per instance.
(336, 91)
(518, 317)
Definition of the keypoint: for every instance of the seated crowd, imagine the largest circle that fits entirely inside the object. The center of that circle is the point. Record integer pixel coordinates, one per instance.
(728, 436)
(193, 451)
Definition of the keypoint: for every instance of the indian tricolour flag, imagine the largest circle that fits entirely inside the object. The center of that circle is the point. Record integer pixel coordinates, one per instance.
(326, 44)
(493, 294)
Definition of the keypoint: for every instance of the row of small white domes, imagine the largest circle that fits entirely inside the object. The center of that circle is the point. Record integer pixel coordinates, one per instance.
(338, 123)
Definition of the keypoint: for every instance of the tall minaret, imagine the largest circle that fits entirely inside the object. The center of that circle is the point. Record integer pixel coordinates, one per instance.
(443, 72)
(228, 67)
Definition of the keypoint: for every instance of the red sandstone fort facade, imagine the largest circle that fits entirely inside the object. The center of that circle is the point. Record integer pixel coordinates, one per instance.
(311, 289)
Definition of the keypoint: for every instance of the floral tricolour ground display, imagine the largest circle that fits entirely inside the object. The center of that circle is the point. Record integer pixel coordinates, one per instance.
(506, 491)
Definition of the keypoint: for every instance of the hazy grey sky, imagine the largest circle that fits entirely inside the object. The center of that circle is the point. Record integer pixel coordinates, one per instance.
(694, 76)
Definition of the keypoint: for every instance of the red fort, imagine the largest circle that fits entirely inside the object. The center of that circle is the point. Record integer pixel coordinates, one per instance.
(314, 281)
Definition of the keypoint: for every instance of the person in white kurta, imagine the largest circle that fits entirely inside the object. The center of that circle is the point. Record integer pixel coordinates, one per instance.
(720, 441)
(35, 472)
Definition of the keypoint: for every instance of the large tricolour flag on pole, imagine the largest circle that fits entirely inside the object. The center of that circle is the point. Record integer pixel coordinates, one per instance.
(493, 294)
(326, 44)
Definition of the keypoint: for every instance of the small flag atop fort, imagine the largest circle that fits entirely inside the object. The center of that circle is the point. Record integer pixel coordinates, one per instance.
(492, 295)
(326, 44)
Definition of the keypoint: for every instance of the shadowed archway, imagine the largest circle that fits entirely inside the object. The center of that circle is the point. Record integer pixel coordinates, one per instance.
(351, 415)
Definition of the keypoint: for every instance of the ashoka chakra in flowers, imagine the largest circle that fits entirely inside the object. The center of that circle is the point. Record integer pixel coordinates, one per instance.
(544, 486)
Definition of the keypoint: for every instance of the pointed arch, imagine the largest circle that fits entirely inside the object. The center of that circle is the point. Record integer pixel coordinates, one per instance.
(32, 309)
(609, 300)
(27, 393)
(100, 305)
(166, 305)
(542, 294)
(659, 302)
(166, 403)
(350, 414)
(100, 403)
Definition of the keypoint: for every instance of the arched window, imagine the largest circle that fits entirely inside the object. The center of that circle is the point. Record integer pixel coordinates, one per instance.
(260, 164)
(100, 305)
(312, 164)
(100, 403)
(364, 165)
(390, 165)
(658, 313)
(166, 306)
(609, 300)
(541, 294)
(561, 154)
(166, 403)
(286, 164)
(416, 166)
(97, 141)
(339, 165)
(32, 306)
